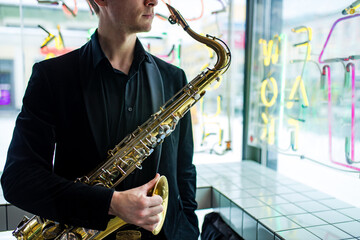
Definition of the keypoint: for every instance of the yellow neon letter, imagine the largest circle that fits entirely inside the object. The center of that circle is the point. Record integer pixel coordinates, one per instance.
(271, 133)
(298, 82)
(263, 92)
(268, 50)
(295, 141)
(308, 30)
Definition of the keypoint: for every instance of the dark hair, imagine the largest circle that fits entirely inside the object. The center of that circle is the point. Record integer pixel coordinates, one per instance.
(94, 6)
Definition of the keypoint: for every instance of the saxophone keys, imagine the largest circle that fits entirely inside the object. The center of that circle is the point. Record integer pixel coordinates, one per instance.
(153, 141)
(150, 152)
(160, 137)
(141, 152)
(138, 165)
(121, 170)
(51, 229)
(71, 236)
(197, 96)
(166, 130)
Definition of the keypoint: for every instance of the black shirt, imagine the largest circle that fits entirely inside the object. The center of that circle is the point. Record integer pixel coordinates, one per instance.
(115, 84)
(127, 100)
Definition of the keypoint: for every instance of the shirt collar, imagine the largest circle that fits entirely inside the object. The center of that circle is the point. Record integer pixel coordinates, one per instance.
(97, 52)
(98, 55)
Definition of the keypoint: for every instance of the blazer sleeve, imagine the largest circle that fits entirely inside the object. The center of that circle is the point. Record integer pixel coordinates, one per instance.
(186, 171)
(28, 180)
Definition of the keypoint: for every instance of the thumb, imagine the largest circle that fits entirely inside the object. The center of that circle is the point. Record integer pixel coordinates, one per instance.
(150, 185)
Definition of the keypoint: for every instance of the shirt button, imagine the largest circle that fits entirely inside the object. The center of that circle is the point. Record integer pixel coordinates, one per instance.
(130, 109)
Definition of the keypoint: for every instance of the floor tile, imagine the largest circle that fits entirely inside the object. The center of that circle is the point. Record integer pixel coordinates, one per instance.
(352, 228)
(202, 183)
(225, 188)
(278, 190)
(333, 216)
(285, 180)
(279, 223)
(236, 194)
(307, 220)
(316, 195)
(288, 209)
(351, 212)
(247, 184)
(298, 234)
(272, 200)
(262, 212)
(301, 188)
(267, 182)
(248, 202)
(312, 206)
(335, 203)
(257, 192)
(328, 232)
(295, 197)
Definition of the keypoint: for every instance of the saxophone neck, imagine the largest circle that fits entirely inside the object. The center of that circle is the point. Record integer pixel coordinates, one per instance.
(175, 17)
(221, 49)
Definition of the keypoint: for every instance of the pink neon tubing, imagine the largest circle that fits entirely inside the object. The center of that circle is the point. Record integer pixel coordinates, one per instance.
(331, 30)
(167, 56)
(352, 109)
(330, 114)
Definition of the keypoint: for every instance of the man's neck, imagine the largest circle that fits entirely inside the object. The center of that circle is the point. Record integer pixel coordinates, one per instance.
(119, 49)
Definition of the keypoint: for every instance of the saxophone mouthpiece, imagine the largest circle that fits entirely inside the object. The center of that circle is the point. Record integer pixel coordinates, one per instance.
(175, 17)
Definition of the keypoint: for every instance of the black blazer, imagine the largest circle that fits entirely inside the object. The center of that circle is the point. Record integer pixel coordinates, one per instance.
(59, 136)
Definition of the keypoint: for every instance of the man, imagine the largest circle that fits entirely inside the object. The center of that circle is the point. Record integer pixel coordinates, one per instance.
(80, 105)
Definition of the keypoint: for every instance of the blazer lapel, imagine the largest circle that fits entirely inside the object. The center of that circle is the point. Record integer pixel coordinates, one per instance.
(95, 107)
(157, 97)
(156, 84)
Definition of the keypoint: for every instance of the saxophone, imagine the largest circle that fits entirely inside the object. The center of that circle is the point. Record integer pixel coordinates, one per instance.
(135, 148)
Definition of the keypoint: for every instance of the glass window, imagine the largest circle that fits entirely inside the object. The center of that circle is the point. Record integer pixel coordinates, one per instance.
(305, 92)
(32, 31)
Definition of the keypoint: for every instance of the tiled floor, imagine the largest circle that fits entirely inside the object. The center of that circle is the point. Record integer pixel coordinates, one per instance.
(260, 204)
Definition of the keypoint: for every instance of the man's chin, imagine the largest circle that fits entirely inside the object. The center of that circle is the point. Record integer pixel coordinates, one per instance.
(145, 30)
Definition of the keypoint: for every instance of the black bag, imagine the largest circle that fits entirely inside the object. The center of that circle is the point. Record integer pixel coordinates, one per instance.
(214, 228)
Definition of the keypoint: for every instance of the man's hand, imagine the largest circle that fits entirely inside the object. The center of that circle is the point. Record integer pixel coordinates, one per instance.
(134, 206)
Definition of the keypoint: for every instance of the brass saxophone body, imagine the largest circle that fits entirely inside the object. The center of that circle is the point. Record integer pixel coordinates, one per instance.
(135, 148)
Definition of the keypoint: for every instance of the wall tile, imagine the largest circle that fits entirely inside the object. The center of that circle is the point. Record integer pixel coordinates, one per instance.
(236, 218)
(249, 227)
(3, 218)
(264, 233)
(225, 208)
(15, 215)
